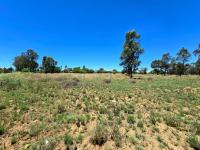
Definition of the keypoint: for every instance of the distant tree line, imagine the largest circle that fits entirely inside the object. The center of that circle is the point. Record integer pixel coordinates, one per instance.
(28, 62)
(177, 65)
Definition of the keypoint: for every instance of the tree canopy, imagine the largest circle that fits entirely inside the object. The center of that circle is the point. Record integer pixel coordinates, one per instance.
(131, 53)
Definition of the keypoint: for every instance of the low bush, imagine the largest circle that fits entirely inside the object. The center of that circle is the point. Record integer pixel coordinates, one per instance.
(68, 140)
(44, 144)
(116, 136)
(194, 142)
(100, 135)
(131, 119)
(9, 84)
(2, 129)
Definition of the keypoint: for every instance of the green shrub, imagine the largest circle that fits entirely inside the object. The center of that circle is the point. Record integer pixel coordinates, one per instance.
(100, 135)
(34, 130)
(194, 142)
(9, 84)
(131, 119)
(61, 108)
(2, 106)
(44, 144)
(23, 106)
(116, 136)
(68, 140)
(79, 138)
(13, 140)
(173, 121)
(2, 129)
(133, 140)
(129, 108)
(140, 124)
(154, 118)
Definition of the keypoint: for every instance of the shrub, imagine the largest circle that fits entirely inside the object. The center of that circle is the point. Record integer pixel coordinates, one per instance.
(100, 135)
(194, 142)
(140, 124)
(44, 144)
(133, 140)
(13, 140)
(2, 129)
(68, 140)
(9, 84)
(2, 106)
(116, 136)
(61, 108)
(131, 119)
(154, 118)
(79, 138)
(173, 121)
(196, 127)
(34, 130)
(130, 108)
(107, 81)
(23, 106)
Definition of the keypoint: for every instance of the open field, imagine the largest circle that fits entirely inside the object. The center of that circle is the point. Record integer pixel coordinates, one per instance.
(99, 111)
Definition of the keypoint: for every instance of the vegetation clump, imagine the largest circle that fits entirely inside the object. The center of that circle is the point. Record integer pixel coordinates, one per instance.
(100, 135)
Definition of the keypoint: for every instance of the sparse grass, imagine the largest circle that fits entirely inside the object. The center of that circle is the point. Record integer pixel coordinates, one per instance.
(96, 113)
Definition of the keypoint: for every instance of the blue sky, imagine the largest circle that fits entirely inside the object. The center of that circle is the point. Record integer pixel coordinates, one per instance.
(91, 32)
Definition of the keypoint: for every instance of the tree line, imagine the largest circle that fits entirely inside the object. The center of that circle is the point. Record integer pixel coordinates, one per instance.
(166, 65)
(178, 65)
(28, 62)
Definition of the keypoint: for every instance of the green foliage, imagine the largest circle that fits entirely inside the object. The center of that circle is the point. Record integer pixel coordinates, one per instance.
(79, 138)
(133, 140)
(194, 142)
(131, 119)
(2, 106)
(49, 65)
(2, 129)
(173, 120)
(44, 144)
(154, 118)
(140, 124)
(27, 60)
(68, 140)
(13, 140)
(9, 84)
(100, 135)
(116, 136)
(131, 52)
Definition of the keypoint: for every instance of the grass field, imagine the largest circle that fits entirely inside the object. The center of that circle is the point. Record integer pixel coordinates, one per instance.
(59, 111)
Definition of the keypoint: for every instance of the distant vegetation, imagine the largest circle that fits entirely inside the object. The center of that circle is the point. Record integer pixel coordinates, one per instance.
(178, 65)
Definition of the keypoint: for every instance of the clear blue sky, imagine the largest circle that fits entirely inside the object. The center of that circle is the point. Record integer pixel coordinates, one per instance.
(91, 32)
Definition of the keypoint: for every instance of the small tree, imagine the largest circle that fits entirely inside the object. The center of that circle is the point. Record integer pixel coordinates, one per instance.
(182, 57)
(197, 64)
(27, 60)
(172, 66)
(197, 52)
(165, 61)
(131, 53)
(49, 65)
(157, 66)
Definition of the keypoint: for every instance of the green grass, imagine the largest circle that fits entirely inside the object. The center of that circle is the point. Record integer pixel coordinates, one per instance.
(100, 110)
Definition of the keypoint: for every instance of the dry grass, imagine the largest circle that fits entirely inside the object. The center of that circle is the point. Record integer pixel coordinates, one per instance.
(84, 111)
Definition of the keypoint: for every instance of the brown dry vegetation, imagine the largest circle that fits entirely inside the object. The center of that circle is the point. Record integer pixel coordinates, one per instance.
(99, 111)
